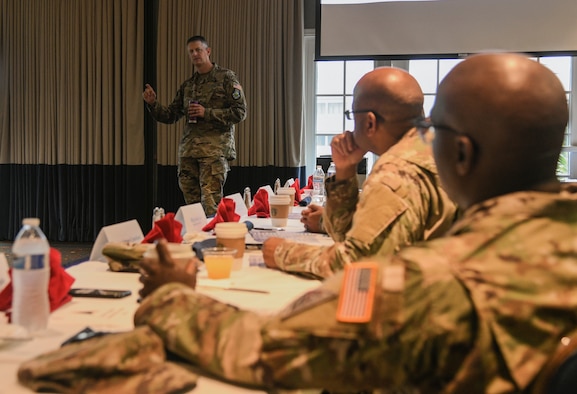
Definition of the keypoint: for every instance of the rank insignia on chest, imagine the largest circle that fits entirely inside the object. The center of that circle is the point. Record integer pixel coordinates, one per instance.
(357, 294)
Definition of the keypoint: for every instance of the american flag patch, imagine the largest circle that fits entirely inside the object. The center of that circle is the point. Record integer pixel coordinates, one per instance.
(357, 293)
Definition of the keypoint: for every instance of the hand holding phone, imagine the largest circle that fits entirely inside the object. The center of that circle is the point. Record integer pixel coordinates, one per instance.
(99, 293)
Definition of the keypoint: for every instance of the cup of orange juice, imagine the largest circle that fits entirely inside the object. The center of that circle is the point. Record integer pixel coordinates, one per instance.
(218, 261)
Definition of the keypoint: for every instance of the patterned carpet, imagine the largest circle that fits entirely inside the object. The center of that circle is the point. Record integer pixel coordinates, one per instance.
(72, 253)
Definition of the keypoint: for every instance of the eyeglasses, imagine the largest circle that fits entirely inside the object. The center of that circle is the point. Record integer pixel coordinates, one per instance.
(349, 113)
(427, 130)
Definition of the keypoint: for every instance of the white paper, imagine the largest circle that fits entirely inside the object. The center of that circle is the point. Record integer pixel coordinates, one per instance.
(239, 205)
(192, 217)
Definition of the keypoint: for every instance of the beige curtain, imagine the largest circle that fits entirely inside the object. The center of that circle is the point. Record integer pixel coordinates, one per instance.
(71, 82)
(261, 40)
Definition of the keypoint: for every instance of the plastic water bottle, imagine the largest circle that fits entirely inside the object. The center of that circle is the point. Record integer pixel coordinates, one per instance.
(332, 170)
(319, 186)
(30, 276)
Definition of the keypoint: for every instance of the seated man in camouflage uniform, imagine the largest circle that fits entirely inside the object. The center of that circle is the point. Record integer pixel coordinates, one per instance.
(402, 201)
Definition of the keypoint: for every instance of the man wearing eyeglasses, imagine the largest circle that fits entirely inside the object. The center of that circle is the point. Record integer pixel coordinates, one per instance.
(402, 201)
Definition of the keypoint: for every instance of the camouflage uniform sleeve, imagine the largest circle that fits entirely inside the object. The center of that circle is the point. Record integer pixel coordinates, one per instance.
(170, 114)
(419, 333)
(234, 108)
(380, 227)
(342, 198)
(217, 337)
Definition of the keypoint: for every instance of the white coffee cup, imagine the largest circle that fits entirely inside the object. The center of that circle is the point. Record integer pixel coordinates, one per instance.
(232, 235)
(279, 209)
(289, 191)
(180, 253)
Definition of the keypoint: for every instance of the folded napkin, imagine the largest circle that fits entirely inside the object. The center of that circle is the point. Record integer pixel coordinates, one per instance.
(167, 228)
(60, 283)
(224, 213)
(296, 186)
(260, 206)
(309, 183)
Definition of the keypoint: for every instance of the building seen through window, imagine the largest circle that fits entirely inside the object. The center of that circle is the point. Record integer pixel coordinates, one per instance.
(334, 82)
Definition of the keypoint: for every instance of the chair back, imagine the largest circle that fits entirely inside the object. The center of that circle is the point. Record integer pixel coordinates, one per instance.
(559, 376)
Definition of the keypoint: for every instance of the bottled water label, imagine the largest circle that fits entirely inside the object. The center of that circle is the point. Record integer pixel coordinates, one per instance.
(31, 261)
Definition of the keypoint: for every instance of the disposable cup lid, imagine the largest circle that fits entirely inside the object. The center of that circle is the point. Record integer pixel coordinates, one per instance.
(286, 190)
(230, 229)
(177, 251)
(219, 251)
(279, 199)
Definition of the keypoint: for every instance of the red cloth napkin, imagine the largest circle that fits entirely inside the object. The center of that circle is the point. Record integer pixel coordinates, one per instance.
(309, 183)
(260, 206)
(224, 213)
(167, 228)
(60, 283)
(296, 186)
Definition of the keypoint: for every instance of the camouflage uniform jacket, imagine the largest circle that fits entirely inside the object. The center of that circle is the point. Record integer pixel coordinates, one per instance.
(402, 202)
(478, 311)
(225, 105)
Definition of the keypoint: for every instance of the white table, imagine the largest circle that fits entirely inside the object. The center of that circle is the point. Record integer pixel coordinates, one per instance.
(116, 314)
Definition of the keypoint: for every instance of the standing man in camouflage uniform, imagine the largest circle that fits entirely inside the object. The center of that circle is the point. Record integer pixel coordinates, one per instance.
(478, 311)
(402, 201)
(212, 101)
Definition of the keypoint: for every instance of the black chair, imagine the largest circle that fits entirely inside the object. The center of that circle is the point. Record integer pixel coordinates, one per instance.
(559, 376)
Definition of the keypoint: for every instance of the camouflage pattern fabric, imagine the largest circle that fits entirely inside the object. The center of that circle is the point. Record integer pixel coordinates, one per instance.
(131, 362)
(210, 173)
(478, 311)
(402, 202)
(220, 92)
(124, 256)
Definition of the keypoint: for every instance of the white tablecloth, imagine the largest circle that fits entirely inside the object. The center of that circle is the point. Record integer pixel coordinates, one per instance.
(116, 314)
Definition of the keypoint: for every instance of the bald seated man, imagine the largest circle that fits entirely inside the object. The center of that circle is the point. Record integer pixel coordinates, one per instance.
(402, 201)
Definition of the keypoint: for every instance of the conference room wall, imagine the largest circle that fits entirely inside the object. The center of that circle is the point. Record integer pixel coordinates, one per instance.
(75, 199)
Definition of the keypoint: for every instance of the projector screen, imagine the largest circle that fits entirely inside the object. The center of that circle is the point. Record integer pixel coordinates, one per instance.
(412, 29)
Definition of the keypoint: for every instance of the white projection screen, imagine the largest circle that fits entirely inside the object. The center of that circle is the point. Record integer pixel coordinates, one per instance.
(411, 29)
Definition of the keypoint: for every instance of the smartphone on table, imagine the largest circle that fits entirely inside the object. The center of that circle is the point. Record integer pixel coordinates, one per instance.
(99, 293)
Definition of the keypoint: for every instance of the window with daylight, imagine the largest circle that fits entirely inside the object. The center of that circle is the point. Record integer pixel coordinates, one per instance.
(334, 82)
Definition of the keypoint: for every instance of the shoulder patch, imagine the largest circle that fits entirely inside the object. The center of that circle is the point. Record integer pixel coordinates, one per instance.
(236, 92)
(307, 301)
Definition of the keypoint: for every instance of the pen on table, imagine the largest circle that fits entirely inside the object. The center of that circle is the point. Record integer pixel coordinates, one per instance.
(234, 289)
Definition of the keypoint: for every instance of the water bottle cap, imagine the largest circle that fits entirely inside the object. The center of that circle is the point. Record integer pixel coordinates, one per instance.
(31, 222)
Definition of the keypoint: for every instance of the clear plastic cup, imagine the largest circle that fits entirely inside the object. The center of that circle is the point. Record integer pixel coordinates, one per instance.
(218, 262)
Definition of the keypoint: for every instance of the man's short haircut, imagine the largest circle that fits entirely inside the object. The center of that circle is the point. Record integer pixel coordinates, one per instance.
(197, 38)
